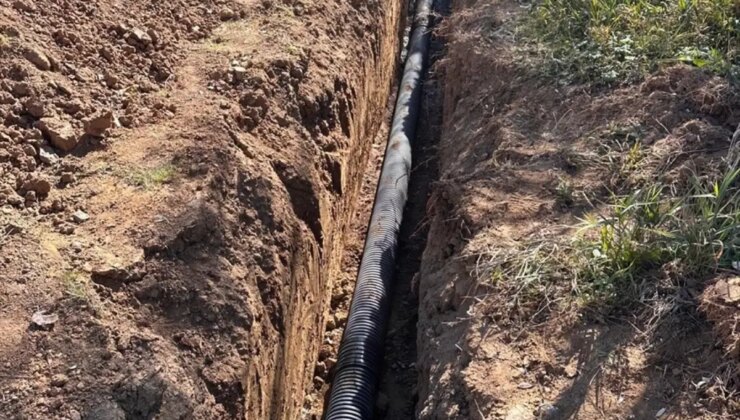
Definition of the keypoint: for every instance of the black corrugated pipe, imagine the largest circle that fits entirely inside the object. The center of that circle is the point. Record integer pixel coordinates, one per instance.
(357, 370)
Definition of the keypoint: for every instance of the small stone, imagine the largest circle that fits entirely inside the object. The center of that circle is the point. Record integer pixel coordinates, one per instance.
(80, 217)
(44, 320)
(227, 14)
(59, 380)
(97, 125)
(240, 73)
(35, 107)
(66, 229)
(154, 35)
(60, 133)
(47, 155)
(22, 89)
(525, 385)
(330, 362)
(38, 185)
(29, 150)
(546, 411)
(38, 58)
(24, 6)
(106, 410)
(74, 414)
(141, 36)
(111, 80)
(67, 178)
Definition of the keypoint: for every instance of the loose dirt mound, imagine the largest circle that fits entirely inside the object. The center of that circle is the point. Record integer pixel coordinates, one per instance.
(521, 159)
(176, 182)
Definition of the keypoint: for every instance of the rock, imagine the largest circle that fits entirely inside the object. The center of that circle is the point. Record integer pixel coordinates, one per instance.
(728, 290)
(141, 36)
(43, 320)
(80, 217)
(38, 58)
(47, 155)
(154, 35)
(240, 73)
(67, 178)
(107, 410)
(60, 133)
(22, 89)
(66, 229)
(525, 385)
(29, 150)
(38, 185)
(59, 380)
(546, 411)
(34, 107)
(226, 14)
(330, 362)
(111, 80)
(24, 6)
(97, 125)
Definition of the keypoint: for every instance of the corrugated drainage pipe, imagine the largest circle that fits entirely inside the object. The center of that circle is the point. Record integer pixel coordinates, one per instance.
(361, 351)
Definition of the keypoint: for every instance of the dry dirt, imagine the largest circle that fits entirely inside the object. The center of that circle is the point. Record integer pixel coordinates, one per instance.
(177, 180)
(509, 139)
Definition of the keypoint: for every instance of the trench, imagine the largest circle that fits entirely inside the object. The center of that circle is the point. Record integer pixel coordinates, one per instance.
(396, 398)
(324, 271)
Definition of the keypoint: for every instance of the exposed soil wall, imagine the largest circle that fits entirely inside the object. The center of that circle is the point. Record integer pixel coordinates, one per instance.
(177, 184)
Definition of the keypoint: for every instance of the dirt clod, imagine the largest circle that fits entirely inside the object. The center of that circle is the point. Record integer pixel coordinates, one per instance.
(61, 133)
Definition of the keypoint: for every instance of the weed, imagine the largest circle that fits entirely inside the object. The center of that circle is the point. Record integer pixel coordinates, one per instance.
(653, 226)
(152, 177)
(564, 192)
(613, 259)
(613, 41)
(75, 285)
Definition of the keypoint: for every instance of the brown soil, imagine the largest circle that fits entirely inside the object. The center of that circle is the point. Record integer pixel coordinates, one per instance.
(509, 138)
(177, 181)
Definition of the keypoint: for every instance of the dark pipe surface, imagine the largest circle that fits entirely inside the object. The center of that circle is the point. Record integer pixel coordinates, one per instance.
(360, 353)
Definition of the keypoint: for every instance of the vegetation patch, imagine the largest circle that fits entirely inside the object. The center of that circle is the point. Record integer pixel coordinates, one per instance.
(151, 177)
(612, 41)
(657, 236)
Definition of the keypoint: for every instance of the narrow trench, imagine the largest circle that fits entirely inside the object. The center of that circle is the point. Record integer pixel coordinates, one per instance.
(397, 390)
(397, 394)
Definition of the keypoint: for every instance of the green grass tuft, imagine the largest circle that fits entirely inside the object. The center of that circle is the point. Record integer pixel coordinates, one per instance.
(613, 41)
(617, 256)
(152, 177)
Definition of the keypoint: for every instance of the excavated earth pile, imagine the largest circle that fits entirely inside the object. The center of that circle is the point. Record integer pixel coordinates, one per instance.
(177, 180)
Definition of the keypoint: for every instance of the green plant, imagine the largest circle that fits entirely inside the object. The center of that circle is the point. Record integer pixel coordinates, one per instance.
(564, 192)
(615, 256)
(652, 226)
(610, 41)
(75, 285)
(151, 177)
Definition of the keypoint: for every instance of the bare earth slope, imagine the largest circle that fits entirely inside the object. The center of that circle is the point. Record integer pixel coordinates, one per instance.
(176, 182)
(518, 156)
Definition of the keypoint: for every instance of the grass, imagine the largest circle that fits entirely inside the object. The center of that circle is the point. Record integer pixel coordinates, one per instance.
(608, 42)
(620, 253)
(151, 177)
(75, 285)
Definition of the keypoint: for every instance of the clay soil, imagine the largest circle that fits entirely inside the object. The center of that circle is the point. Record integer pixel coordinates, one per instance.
(511, 138)
(177, 183)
